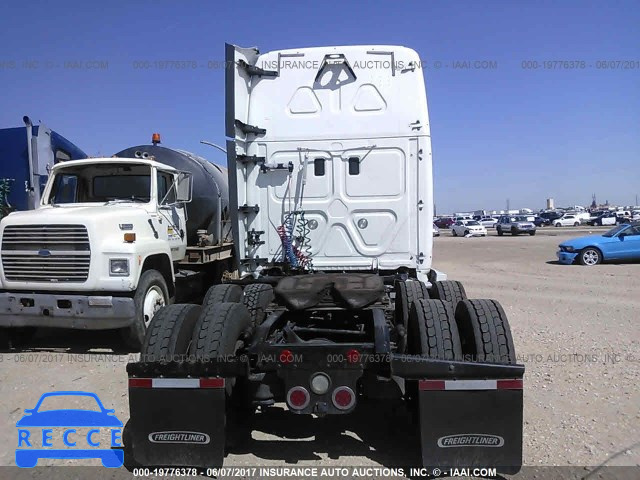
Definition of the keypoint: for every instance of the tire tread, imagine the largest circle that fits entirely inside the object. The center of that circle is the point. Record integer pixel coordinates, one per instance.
(164, 332)
(224, 292)
(449, 291)
(219, 324)
(257, 297)
(436, 335)
(486, 328)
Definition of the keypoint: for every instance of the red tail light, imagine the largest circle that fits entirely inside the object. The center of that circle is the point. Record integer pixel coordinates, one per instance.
(298, 398)
(353, 356)
(343, 398)
(286, 356)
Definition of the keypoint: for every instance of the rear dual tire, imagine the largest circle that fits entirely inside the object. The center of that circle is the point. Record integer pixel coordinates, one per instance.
(407, 292)
(433, 331)
(257, 297)
(449, 291)
(226, 292)
(206, 333)
(484, 332)
(478, 331)
(222, 331)
(169, 335)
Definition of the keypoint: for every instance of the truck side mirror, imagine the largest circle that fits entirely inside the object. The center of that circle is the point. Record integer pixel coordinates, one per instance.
(184, 187)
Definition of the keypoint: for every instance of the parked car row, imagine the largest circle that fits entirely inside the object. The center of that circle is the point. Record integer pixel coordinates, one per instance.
(513, 223)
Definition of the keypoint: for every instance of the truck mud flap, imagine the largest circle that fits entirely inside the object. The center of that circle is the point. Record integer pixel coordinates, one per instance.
(471, 423)
(177, 422)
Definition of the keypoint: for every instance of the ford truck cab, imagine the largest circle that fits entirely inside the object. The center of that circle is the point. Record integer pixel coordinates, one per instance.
(99, 252)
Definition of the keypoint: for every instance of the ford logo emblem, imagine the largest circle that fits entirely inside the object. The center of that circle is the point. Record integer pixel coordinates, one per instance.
(44, 253)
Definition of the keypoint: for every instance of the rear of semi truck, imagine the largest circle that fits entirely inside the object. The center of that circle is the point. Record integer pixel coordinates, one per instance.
(337, 303)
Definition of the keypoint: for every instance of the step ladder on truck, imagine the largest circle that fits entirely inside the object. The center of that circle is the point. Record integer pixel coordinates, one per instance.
(331, 198)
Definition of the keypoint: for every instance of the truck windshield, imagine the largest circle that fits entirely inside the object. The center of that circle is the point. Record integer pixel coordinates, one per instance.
(101, 183)
(122, 187)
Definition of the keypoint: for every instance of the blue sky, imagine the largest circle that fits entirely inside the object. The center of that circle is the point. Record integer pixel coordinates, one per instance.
(498, 133)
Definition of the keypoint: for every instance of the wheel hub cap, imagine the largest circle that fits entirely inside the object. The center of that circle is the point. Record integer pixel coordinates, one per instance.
(590, 257)
(153, 301)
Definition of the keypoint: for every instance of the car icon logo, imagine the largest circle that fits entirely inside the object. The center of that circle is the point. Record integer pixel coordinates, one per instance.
(44, 253)
(41, 427)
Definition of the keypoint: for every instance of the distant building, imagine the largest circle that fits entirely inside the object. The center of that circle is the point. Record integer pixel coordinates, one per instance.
(550, 204)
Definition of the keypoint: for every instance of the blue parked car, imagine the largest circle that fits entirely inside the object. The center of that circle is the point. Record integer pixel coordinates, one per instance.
(619, 243)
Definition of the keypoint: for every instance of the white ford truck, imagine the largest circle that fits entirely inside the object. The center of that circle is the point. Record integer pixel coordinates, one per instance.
(107, 247)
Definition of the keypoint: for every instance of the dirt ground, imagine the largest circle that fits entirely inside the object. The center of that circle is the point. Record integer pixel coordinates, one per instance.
(575, 328)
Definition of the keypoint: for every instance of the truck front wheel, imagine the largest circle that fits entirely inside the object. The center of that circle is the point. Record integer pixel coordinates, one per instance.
(151, 295)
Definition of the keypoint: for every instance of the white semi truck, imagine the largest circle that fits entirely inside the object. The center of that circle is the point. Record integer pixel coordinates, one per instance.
(337, 303)
(112, 241)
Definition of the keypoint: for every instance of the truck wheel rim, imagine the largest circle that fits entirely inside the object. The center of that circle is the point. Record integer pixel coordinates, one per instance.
(590, 257)
(153, 301)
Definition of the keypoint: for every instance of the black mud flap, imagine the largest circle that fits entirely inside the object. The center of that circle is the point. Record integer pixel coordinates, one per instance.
(471, 423)
(177, 422)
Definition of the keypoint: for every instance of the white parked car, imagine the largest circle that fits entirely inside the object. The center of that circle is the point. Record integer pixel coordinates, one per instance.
(567, 221)
(635, 215)
(468, 227)
(488, 222)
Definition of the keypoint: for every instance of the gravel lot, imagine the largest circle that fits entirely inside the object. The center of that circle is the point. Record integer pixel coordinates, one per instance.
(575, 328)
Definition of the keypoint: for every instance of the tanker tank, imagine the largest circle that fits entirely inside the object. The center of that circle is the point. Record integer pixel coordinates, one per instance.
(209, 207)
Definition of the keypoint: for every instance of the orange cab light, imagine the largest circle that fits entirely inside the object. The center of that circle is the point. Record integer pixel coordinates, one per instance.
(129, 237)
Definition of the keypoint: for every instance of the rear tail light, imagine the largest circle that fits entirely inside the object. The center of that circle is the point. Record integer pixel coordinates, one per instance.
(285, 356)
(353, 356)
(298, 398)
(343, 398)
